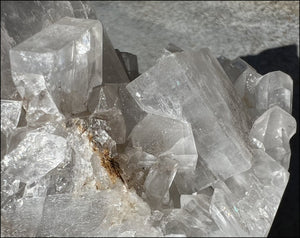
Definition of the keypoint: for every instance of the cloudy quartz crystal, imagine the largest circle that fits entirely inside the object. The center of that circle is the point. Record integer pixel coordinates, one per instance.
(195, 146)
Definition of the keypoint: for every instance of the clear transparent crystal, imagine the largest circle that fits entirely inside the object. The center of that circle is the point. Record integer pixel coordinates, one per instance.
(185, 81)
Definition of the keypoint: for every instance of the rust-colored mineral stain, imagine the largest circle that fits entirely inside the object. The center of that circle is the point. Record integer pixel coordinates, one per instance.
(81, 128)
(110, 164)
(98, 185)
(90, 137)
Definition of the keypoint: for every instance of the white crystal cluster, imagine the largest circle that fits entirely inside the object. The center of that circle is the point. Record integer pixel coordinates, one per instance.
(195, 146)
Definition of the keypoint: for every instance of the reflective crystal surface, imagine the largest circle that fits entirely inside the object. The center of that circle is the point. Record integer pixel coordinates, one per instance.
(274, 88)
(37, 154)
(272, 132)
(10, 115)
(195, 146)
(23, 218)
(259, 92)
(244, 79)
(165, 137)
(106, 213)
(188, 80)
(30, 17)
(158, 182)
(68, 68)
(247, 203)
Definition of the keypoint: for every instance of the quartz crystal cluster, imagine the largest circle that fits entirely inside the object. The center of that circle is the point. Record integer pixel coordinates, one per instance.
(195, 146)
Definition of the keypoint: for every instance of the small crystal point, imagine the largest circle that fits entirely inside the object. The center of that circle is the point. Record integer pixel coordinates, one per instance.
(274, 88)
(272, 132)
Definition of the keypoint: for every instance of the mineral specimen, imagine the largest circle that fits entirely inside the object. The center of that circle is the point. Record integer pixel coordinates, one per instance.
(195, 146)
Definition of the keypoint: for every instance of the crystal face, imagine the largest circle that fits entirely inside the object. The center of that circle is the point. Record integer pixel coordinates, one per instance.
(67, 68)
(195, 146)
(217, 129)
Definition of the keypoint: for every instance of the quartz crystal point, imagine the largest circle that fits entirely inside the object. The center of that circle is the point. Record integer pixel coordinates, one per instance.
(185, 81)
(258, 92)
(272, 132)
(241, 74)
(158, 182)
(70, 58)
(274, 88)
(131, 111)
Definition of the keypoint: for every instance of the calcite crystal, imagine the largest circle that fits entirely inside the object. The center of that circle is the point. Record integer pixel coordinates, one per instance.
(68, 68)
(195, 146)
(22, 19)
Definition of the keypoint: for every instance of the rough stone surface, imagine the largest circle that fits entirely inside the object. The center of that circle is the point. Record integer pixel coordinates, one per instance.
(229, 28)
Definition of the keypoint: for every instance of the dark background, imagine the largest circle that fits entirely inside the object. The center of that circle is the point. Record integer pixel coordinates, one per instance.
(285, 59)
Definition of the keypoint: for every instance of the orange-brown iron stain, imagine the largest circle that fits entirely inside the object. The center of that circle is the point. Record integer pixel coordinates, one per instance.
(110, 164)
(98, 185)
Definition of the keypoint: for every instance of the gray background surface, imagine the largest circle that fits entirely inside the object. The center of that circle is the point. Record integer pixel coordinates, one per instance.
(228, 28)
